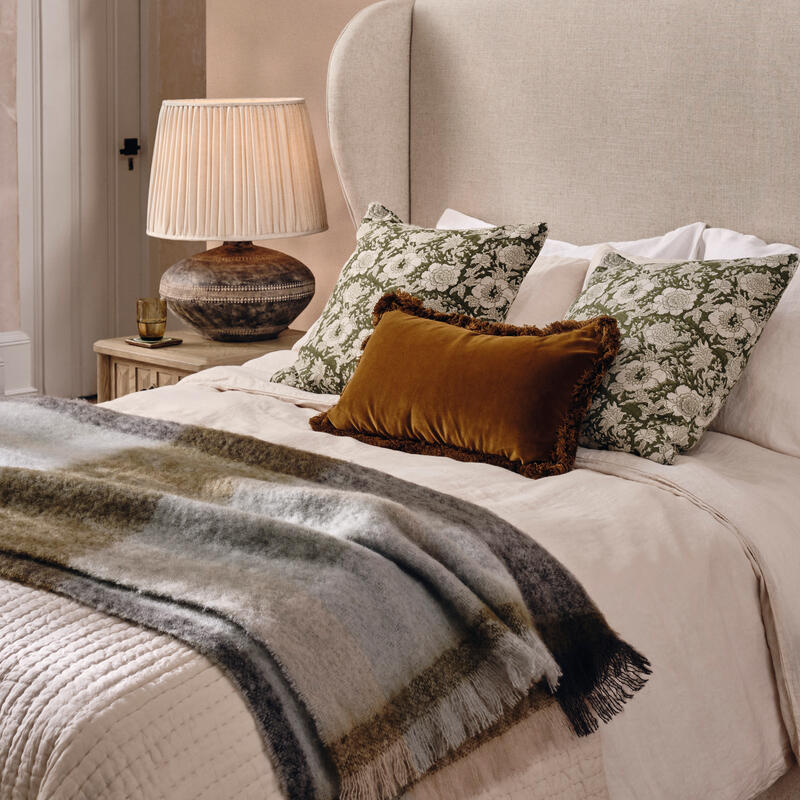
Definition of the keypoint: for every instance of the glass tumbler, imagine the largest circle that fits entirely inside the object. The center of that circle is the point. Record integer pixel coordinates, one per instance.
(151, 317)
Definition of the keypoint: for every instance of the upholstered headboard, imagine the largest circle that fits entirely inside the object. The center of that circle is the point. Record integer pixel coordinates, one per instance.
(610, 119)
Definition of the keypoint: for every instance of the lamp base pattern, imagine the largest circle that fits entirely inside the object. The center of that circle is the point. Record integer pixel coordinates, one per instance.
(238, 292)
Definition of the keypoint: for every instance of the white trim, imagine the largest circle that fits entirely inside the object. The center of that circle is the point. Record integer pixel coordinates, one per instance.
(15, 363)
(145, 154)
(234, 102)
(111, 171)
(29, 155)
(214, 236)
(76, 207)
(128, 201)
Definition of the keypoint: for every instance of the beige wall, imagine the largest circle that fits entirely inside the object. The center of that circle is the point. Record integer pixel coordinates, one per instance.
(275, 48)
(176, 55)
(9, 233)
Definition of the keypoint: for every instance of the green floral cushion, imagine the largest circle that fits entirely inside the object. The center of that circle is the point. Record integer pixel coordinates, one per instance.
(687, 331)
(473, 272)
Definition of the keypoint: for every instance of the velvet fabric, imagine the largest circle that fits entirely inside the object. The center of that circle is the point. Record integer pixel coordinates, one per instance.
(447, 384)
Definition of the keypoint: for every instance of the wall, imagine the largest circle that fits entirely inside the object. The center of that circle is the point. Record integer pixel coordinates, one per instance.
(9, 242)
(274, 48)
(176, 68)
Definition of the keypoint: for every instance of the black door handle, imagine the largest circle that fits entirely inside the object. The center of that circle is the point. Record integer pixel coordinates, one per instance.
(130, 148)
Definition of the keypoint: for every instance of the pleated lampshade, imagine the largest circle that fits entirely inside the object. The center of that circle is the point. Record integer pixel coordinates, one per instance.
(234, 170)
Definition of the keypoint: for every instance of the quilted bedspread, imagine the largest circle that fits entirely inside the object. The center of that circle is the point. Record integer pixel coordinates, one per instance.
(93, 707)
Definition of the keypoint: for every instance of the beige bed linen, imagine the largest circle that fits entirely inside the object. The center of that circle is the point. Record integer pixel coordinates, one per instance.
(670, 572)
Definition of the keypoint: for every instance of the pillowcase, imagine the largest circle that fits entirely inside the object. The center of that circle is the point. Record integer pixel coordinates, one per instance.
(764, 406)
(428, 383)
(548, 290)
(687, 330)
(476, 272)
(719, 243)
(681, 243)
(604, 249)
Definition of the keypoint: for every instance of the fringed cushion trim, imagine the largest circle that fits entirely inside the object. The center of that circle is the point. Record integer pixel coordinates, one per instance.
(562, 456)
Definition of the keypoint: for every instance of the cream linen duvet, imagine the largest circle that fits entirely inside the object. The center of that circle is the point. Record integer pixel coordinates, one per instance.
(697, 565)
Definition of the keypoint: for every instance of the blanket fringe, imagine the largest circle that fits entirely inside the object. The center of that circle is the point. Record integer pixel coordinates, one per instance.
(474, 705)
(529, 746)
(624, 673)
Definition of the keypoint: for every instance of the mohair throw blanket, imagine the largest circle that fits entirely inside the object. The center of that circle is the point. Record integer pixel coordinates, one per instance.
(377, 629)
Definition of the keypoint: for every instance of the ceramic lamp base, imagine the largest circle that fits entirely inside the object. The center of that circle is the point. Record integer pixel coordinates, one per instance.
(238, 292)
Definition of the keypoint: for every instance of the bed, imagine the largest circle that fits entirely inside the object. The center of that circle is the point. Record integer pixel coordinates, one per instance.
(571, 114)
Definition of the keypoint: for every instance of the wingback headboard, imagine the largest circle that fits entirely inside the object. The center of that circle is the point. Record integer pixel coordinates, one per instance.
(610, 119)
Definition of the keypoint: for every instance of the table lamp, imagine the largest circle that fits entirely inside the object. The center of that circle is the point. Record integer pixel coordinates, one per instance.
(235, 171)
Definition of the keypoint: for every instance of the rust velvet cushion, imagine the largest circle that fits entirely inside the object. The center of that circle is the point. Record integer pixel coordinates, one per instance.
(452, 385)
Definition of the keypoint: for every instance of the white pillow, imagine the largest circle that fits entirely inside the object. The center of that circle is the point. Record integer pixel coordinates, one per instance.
(764, 406)
(681, 243)
(721, 243)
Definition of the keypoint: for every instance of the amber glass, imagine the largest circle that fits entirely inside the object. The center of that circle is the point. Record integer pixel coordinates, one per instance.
(151, 316)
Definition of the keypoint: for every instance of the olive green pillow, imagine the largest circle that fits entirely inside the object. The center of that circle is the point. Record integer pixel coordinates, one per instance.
(687, 331)
(473, 272)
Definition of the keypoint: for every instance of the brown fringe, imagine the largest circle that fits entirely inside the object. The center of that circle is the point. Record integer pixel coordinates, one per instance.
(600, 672)
(538, 469)
(562, 457)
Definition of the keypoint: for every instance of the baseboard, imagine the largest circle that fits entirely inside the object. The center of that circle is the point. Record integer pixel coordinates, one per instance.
(15, 363)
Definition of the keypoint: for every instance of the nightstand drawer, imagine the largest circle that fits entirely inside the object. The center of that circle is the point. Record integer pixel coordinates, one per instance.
(126, 376)
(123, 368)
(167, 378)
(148, 377)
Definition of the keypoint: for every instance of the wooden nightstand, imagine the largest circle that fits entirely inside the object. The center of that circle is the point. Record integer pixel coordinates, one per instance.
(123, 368)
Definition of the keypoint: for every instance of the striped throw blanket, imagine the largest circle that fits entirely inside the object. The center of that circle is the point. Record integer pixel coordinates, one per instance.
(376, 629)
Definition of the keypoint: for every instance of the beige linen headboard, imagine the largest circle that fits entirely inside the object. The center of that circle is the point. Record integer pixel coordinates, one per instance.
(609, 119)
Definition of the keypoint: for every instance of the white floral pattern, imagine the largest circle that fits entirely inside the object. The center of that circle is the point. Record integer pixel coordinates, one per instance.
(440, 277)
(687, 330)
(674, 301)
(474, 272)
